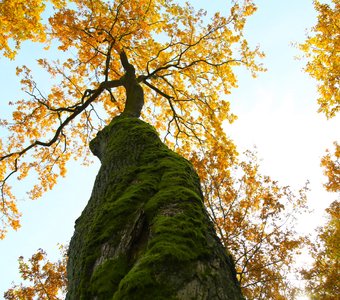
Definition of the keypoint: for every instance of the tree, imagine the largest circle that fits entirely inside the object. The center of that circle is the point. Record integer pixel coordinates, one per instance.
(47, 280)
(165, 48)
(171, 48)
(255, 218)
(323, 276)
(110, 42)
(145, 232)
(322, 279)
(322, 51)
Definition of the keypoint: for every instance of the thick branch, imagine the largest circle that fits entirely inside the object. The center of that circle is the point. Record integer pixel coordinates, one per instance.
(134, 92)
(129, 68)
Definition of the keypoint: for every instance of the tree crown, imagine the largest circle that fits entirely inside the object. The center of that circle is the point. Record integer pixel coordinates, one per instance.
(183, 62)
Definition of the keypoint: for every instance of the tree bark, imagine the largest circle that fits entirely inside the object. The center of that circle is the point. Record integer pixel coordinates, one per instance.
(134, 92)
(145, 233)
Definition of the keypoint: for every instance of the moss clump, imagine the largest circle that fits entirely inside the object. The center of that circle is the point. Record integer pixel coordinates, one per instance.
(145, 233)
(107, 276)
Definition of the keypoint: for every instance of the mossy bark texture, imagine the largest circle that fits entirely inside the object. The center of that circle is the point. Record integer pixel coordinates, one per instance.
(144, 233)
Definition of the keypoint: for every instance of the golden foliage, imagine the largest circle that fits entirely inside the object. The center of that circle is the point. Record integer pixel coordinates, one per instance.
(47, 280)
(322, 49)
(20, 20)
(331, 164)
(255, 219)
(323, 278)
(184, 62)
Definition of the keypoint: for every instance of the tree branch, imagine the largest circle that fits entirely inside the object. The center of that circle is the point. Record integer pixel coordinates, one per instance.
(91, 95)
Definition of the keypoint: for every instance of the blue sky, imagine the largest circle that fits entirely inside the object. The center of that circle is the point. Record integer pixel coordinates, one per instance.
(277, 113)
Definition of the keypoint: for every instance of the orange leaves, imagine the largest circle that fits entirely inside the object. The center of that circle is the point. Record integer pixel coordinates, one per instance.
(47, 280)
(241, 12)
(331, 164)
(20, 20)
(254, 217)
(322, 51)
(9, 210)
(322, 278)
(184, 62)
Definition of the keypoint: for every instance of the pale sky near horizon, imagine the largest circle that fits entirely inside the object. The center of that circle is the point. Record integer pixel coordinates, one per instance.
(276, 112)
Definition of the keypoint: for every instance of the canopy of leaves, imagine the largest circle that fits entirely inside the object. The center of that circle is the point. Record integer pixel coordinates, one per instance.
(183, 61)
(20, 21)
(255, 219)
(47, 279)
(322, 49)
(323, 278)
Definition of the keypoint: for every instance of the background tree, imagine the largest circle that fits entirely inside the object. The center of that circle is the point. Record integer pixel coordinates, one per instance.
(322, 279)
(255, 218)
(47, 279)
(322, 51)
(331, 164)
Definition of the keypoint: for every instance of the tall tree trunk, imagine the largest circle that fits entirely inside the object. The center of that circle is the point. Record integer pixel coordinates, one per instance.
(145, 233)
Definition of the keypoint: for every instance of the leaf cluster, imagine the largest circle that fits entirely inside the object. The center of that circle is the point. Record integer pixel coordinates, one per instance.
(321, 48)
(255, 218)
(47, 279)
(322, 278)
(331, 164)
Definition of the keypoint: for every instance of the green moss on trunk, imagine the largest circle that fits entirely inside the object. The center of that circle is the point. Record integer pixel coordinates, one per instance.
(145, 233)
